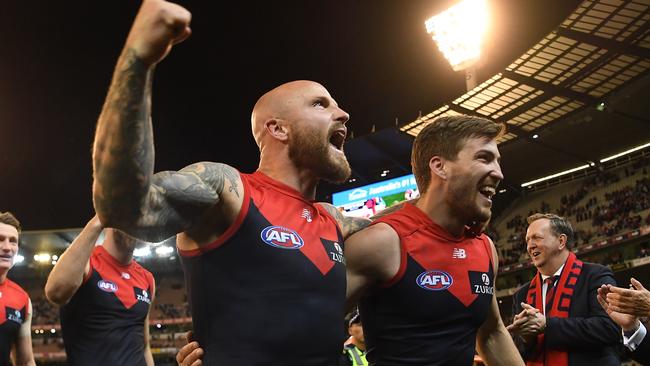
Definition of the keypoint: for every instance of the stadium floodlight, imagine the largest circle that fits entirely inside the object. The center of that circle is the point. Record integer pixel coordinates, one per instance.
(458, 32)
(142, 252)
(164, 250)
(19, 259)
(42, 257)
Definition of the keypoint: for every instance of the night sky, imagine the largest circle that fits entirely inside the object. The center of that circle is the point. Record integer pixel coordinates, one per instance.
(374, 56)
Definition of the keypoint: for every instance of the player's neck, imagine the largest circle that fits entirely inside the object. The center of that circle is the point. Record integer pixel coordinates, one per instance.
(284, 171)
(434, 206)
(3, 276)
(122, 255)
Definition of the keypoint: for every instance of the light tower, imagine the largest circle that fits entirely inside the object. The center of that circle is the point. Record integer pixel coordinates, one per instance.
(458, 32)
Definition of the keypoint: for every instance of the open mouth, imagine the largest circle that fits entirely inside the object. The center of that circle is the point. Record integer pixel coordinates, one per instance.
(337, 139)
(535, 254)
(488, 191)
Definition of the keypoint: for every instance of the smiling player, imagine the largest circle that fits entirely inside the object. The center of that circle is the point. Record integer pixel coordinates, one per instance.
(427, 280)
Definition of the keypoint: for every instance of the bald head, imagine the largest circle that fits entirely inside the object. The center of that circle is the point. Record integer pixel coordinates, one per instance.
(280, 103)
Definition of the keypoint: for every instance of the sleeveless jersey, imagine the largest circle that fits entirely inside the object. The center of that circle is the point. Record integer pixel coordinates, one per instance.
(429, 313)
(103, 324)
(14, 302)
(271, 289)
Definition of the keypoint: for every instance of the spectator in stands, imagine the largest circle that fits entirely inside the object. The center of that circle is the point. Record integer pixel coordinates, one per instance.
(354, 351)
(105, 297)
(626, 307)
(558, 320)
(15, 326)
(644, 251)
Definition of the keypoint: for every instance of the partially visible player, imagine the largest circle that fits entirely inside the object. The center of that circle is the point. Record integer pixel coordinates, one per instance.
(16, 323)
(105, 298)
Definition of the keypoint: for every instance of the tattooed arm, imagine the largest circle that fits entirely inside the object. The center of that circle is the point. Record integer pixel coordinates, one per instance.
(126, 193)
(176, 200)
(348, 225)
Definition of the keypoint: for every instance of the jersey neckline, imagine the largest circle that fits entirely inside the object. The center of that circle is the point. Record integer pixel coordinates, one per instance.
(282, 187)
(114, 261)
(422, 218)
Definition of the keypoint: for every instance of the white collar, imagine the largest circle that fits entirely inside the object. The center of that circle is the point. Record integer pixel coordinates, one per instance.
(557, 273)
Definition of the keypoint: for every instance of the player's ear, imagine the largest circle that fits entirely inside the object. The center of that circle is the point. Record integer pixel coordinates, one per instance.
(277, 128)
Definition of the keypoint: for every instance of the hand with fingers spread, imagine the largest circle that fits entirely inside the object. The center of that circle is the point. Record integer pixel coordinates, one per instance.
(528, 323)
(634, 301)
(158, 26)
(191, 353)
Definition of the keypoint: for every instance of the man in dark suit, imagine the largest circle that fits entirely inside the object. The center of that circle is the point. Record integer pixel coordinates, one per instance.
(626, 307)
(558, 320)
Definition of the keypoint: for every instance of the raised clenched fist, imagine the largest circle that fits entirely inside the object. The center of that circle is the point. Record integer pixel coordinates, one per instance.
(158, 26)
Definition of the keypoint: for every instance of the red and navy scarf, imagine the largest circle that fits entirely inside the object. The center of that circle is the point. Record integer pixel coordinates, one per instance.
(558, 308)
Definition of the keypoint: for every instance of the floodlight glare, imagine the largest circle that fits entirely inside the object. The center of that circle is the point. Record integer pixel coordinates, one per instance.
(458, 32)
(164, 250)
(142, 252)
(42, 257)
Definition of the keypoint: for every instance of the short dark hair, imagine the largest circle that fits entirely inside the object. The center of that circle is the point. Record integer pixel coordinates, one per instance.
(9, 219)
(445, 137)
(558, 224)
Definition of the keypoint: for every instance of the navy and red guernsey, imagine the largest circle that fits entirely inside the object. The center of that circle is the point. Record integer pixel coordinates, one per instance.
(14, 303)
(429, 313)
(103, 324)
(271, 289)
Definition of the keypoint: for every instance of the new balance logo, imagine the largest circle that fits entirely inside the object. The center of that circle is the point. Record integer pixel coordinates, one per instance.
(306, 214)
(459, 253)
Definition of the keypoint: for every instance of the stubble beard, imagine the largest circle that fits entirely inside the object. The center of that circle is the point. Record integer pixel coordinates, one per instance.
(462, 201)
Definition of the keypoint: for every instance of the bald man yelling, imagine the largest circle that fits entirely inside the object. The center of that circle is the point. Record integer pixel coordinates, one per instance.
(263, 264)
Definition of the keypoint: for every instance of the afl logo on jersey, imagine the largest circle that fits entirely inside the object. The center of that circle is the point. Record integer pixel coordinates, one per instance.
(107, 286)
(434, 280)
(281, 237)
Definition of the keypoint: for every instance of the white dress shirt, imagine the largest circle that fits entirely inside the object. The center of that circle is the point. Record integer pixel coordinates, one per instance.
(635, 340)
(545, 286)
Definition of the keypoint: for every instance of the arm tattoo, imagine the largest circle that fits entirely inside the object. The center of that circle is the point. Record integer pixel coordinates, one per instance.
(177, 199)
(351, 225)
(210, 177)
(233, 176)
(348, 225)
(123, 151)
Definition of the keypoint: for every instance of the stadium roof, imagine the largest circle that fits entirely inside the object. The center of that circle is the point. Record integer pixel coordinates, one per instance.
(583, 89)
(580, 94)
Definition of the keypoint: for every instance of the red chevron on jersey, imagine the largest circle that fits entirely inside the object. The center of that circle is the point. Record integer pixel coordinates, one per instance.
(130, 283)
(12, 297)
(14, 303)
(301, 224)
(440, 257)
(436, 251)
